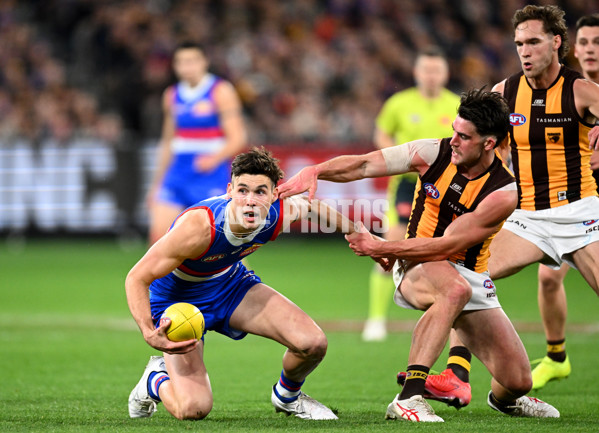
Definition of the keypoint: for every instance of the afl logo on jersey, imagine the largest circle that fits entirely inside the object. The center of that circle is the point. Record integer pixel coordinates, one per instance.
(589, 222)
(489, 284)
(517, 119)
(431, 190)
(213, 258)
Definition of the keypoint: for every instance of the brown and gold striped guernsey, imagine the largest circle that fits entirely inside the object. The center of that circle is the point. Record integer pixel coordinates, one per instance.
(549, 142)
(442, 195)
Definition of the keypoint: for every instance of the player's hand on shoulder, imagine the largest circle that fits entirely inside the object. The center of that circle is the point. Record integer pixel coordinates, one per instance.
(159, 341)
(305, 180)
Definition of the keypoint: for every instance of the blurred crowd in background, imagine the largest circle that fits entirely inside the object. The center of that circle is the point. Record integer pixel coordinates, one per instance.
(305, 69)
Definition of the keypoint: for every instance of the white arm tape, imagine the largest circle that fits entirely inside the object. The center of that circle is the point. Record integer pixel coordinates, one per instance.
(399, 158)
(509, 187)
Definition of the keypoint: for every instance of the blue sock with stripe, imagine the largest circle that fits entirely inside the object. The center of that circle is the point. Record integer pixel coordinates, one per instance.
(287, 390)
(155, 379)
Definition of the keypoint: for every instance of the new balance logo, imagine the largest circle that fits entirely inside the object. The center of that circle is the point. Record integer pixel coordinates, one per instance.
(538, 103)
(457, 188)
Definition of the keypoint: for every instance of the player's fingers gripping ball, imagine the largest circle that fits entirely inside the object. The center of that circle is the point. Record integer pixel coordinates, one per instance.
(187, 322)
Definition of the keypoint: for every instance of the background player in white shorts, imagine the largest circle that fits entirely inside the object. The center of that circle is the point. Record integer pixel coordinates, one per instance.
(552, 295)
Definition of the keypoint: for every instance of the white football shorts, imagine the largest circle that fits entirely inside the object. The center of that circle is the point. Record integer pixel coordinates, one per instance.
(559, 231)
(484, 296)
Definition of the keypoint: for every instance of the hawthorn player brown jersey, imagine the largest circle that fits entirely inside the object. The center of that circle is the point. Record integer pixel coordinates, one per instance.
(442, 194)
(549, 143)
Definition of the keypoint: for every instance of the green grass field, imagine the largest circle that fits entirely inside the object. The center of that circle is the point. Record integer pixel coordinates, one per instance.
(70, 353)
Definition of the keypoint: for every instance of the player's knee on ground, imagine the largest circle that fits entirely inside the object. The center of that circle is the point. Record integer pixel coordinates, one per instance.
(518, 383)
(193, 409)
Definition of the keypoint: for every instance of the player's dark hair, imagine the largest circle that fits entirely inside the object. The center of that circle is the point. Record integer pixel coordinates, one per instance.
(588, 21)
(553, 21)
(190, 45)
(431, 51)
(488, 111)
(257, 160)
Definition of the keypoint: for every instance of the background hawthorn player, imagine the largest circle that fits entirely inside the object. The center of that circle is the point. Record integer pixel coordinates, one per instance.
(552, 295)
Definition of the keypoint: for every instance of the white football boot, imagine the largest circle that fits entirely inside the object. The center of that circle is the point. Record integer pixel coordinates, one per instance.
(304, 407)
(414, 409)
(141, 405)
(529, 407)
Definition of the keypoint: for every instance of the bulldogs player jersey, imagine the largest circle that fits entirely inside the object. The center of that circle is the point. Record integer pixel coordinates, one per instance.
(225, 248)
(196, 119)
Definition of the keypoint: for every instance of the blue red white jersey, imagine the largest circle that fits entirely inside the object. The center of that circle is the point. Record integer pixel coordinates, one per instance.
(225, 248)
(196, 118)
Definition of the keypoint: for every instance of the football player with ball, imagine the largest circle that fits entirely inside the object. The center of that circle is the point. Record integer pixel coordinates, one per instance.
(199, 262)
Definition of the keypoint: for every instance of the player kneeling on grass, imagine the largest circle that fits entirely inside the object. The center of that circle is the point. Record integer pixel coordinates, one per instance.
(199, 261)
(463, 195)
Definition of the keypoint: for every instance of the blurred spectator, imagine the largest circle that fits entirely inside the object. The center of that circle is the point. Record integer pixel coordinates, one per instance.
(317, 69)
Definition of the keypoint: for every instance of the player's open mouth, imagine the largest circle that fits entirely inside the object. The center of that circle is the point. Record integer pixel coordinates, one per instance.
(527, 65)
(250, 216)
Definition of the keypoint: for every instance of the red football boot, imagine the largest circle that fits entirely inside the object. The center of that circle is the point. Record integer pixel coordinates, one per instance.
(445, 387)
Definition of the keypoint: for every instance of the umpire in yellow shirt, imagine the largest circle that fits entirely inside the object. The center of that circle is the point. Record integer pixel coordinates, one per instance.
(423, 111)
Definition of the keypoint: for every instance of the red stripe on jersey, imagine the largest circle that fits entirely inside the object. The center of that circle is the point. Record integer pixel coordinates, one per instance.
(200, 274)
(279, 226)
(212, 228)
(212, 231)
(200, 133)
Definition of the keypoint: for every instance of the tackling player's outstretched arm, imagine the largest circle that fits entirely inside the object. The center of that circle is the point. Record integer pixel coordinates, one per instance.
(464, 232)
(345, 168)
(189, 238)
(299, 207)
(414, 156)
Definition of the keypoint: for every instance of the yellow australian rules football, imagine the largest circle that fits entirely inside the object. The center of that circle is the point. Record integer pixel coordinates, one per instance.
(187, 322)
